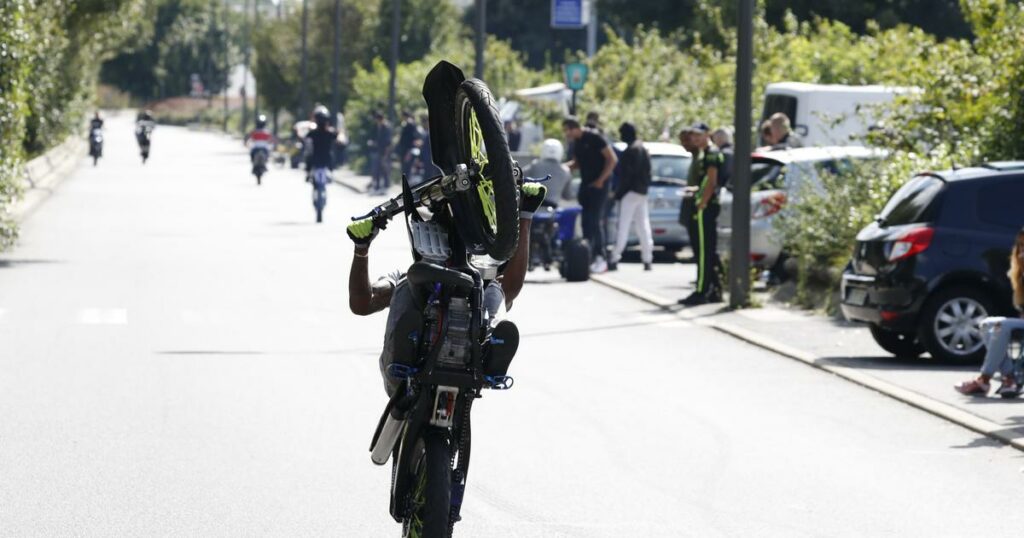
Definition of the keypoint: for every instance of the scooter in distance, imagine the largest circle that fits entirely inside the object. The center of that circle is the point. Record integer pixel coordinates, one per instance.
(95, 144)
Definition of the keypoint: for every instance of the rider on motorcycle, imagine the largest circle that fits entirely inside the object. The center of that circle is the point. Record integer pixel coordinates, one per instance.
(392, 290)
(96, 122)
(320, 141)
(260, 139)
(144, 124)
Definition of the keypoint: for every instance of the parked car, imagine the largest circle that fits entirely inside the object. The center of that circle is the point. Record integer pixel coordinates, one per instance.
(776, 178)
(934, 263)
(670, 164)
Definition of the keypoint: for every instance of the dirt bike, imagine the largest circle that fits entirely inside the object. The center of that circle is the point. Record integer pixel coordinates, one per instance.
(461, 224)
(95, 144)
(259, 164)
(144, 135)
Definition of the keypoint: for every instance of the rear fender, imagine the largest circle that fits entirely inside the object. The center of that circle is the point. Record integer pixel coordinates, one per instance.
(439, 92)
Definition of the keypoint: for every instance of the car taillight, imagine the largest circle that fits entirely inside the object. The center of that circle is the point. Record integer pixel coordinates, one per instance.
(769, 205)
(912, 243)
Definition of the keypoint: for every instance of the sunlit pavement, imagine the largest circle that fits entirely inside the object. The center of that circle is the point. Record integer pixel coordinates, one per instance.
(177, 358)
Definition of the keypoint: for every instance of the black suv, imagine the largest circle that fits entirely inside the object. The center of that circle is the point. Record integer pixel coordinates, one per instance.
(934, 262)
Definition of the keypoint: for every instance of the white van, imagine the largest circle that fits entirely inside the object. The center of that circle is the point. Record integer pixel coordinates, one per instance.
(828, 114)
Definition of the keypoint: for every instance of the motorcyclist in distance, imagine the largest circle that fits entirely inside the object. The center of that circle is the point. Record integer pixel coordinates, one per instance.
(260, 139)
(320, 141)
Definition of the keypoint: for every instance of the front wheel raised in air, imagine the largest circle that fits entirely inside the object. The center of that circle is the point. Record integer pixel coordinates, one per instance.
(488, 213)
(431, 488)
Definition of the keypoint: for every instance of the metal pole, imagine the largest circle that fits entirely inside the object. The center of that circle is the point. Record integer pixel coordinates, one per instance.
(739, 263)
(592, 30)
(304, 83)
(396, 17)
(245, 68)
(481, 37)
(227, 66)
(335, 67)
(255, 86)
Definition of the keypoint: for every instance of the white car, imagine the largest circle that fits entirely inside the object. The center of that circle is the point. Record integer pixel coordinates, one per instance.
(776, 177)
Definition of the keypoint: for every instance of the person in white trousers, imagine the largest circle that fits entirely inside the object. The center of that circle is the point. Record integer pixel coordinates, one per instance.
(631, 192)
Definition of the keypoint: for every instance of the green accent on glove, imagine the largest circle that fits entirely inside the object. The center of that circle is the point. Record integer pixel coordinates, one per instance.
(533, 196)
(362, 231)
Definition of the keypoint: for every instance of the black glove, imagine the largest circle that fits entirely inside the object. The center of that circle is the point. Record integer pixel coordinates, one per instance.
(532, 196)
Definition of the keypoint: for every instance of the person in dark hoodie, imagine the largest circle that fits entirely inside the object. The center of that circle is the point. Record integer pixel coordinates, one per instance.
(631, 192)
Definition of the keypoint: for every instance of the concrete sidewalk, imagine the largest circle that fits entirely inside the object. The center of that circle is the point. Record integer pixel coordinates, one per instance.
(837, 346)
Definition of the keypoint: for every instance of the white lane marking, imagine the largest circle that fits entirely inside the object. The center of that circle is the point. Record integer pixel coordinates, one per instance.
(103, 316)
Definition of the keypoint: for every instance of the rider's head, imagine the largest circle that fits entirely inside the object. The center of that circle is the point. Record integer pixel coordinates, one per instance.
(627, 132)
(321, 116)
(261, 121)
(97, 115)
(551, 150)
(572, 128)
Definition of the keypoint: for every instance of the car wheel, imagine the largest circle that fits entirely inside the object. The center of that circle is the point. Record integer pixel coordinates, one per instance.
(899, 344)
(949, 324)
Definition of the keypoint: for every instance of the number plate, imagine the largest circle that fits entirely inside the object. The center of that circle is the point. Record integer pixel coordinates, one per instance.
(857, 296)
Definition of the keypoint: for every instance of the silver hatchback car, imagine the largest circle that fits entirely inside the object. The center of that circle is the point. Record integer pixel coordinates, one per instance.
(670, 164)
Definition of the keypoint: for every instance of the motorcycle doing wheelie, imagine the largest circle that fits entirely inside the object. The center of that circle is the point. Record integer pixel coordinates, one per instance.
(447, 348)
(95, 144)
(144, 135)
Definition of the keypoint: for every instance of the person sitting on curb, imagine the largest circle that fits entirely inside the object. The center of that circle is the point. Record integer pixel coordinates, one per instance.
(996, 331)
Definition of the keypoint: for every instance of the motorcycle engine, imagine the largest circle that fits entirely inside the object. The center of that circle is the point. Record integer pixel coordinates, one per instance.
(456, 345)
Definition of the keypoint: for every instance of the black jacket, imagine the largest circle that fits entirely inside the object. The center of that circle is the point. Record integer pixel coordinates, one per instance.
(634, 170)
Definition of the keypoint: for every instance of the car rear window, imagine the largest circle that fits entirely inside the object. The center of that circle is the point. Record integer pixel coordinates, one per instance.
(670, 166)
(910, 204)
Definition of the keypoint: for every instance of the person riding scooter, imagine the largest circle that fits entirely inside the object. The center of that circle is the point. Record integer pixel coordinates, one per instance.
(96, 138)
(144, 126)
(319, 145)
(260, 139)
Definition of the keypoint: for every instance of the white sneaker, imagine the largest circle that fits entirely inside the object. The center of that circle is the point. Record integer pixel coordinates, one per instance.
(599, 265)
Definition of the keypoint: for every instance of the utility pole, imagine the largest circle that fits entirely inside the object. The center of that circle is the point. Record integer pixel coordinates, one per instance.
(592, 30)
(304, 83)
(255, 86)
(227, 65)
(245, 67)
(396, 18)
(481, 37)
(739, 262)
(335, 71)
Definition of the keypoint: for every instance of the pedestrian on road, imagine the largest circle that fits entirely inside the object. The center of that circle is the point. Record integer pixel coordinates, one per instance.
(596, 161)
(407, 138)
(380, 154)
(723, 139)
(550, 164)
(704, 191)
(782, 134)
(631, 192)
(996, 332)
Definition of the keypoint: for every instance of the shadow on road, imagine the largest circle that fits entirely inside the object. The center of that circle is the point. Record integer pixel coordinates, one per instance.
(14, 263)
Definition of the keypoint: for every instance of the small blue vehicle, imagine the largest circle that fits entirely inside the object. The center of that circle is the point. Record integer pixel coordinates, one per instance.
(553, 241)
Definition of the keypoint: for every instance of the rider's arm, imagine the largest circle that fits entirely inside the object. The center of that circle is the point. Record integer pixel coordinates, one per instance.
(365, 298)
(610, 159)
(515, 272)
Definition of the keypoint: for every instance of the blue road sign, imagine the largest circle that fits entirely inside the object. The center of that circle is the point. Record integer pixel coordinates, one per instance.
(569, 14)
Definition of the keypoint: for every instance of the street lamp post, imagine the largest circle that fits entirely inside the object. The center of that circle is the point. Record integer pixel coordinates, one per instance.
(396, 17)
(335, 71)
(481, 37)
(304, 83)
(739, 263)
(245, 67)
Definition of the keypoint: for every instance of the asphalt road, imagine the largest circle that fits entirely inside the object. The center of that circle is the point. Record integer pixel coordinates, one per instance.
(177, 359)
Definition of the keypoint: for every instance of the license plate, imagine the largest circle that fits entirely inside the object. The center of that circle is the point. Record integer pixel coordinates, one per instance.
(857, 296)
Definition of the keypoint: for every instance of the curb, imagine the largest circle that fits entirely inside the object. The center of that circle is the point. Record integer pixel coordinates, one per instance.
(931, 406)
(44, 173)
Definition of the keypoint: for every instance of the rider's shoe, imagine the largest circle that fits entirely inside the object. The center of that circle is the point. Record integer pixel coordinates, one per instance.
(974, 387)
(1009, 388)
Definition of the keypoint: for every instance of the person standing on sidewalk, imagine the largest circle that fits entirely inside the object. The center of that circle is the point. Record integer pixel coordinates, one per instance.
(380, 154)
(596, 161)
(631, 192)
(687, 210)
(996, 331)
(704, 190)
(723, 139)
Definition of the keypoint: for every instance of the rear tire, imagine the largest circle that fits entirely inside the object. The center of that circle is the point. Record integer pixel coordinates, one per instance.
(576, 261)
(488, 228)
(936, 317)
(432, 489)
(905, 345)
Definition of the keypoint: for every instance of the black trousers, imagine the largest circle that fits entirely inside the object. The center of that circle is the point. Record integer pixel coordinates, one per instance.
(709, 265)
(593, 202)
